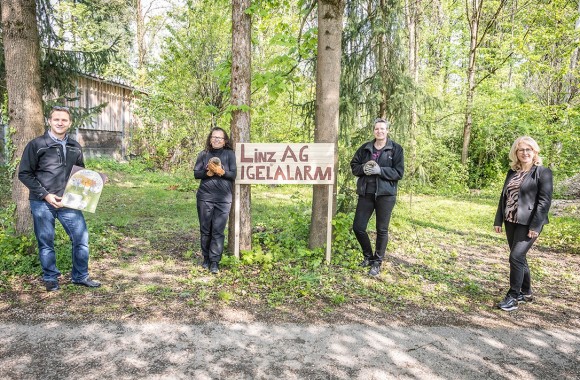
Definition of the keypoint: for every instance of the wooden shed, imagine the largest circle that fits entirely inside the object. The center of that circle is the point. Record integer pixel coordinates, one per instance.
(110, 132)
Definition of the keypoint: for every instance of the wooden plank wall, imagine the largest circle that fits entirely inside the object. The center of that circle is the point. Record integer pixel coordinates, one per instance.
(109, 132)
(117, 115)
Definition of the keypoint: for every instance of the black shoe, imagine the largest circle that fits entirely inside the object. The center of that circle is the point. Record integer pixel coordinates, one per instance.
(205, 264)
(365, 263)
(214, 268)
(88, 283)
(509, 303)
(51, 286)
(523, 298)
(375, 270)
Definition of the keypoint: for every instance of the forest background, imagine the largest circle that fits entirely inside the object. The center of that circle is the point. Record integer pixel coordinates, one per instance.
(410, 62)
(458, 80)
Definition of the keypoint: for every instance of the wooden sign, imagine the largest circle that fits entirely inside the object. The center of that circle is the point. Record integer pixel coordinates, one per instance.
(311, 163)
(284, 164)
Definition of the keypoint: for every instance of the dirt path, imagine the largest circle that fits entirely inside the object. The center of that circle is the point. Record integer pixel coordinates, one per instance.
(55, 350)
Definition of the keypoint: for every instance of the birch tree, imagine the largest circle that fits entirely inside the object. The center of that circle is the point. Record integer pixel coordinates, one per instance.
(479, 25)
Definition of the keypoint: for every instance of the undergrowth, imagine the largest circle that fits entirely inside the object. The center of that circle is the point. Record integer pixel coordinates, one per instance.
(438, 253)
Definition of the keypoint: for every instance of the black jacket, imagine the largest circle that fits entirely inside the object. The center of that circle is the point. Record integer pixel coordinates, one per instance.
(216, 188)
(392, 167)
(535, 198)
(43, 168)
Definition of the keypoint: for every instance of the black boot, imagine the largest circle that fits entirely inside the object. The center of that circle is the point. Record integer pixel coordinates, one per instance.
(375, 270)
(214, 268)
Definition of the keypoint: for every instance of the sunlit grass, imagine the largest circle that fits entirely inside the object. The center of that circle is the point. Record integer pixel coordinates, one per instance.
(442, 254)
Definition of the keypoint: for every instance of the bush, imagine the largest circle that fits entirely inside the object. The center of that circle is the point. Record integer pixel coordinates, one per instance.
(17, 251)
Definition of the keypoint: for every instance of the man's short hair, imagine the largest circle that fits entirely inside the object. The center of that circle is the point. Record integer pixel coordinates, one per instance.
(59, 108)
(381, 120)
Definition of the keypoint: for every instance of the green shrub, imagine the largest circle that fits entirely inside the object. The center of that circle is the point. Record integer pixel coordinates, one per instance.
(17, 251)
(345, 247)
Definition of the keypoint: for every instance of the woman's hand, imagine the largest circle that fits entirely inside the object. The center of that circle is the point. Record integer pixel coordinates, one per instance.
(497, 229)
(533, 234)
(371, 168)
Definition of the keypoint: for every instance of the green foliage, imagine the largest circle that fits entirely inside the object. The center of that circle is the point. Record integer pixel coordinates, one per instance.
(89, 36)
(187, 95)
(225, 296)
(442, 252)
(562, 234)
(135, 166)
(17, 257)
(345, 247)
(257, 256)
(286, 238)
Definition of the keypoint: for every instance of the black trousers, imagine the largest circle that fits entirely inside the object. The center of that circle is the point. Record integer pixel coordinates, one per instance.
(213, 217)
(383, 207)
(520, 244)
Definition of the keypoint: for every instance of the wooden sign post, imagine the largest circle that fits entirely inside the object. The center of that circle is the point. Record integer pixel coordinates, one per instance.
(284, 164)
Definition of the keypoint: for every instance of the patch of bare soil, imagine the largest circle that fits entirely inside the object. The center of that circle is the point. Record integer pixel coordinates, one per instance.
(570, 187)
(566, 207)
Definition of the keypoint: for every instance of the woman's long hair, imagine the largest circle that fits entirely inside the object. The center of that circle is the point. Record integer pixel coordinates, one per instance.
(515, 163)
(227, 143)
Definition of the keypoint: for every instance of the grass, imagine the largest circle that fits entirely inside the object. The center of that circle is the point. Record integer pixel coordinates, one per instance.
(442, 256)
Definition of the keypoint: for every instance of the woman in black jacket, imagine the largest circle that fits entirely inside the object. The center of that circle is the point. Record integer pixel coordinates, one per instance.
(216, 167)
(379, 166)
(523, 209)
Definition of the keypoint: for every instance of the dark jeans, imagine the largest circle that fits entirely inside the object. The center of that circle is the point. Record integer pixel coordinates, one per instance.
(73, 221)
(383, 207)
(520, 244)
(213, 217)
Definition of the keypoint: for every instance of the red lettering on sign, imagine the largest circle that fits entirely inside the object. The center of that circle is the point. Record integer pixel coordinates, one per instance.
(259, 174)
(299, 174)
(302, 155)
(243, 158)
(288, 153)
(307, 174)
(279, 174)
(322, 176)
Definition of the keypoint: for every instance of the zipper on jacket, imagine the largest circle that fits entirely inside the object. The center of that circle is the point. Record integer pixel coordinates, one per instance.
(59, 155)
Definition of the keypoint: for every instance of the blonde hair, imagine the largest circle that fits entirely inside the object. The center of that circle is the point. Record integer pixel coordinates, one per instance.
(515, 163)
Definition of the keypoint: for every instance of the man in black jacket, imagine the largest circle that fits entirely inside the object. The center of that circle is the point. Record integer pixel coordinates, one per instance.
(379, 165)
(45, 167)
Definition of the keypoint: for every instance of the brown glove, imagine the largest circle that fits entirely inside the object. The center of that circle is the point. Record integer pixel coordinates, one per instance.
(214, 166)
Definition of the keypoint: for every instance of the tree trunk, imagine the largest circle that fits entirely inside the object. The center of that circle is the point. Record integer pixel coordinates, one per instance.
(382, 62)
(240, 124)
(22, 60)
(475, 24)
(330, 14)
(473, 31)
(413, 29)
(572, 82)
(140, 34)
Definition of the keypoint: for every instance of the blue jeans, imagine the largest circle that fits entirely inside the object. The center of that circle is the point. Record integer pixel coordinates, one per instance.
(73, 221)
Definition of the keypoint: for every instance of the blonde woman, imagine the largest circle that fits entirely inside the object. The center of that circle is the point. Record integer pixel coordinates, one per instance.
(523, 210)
